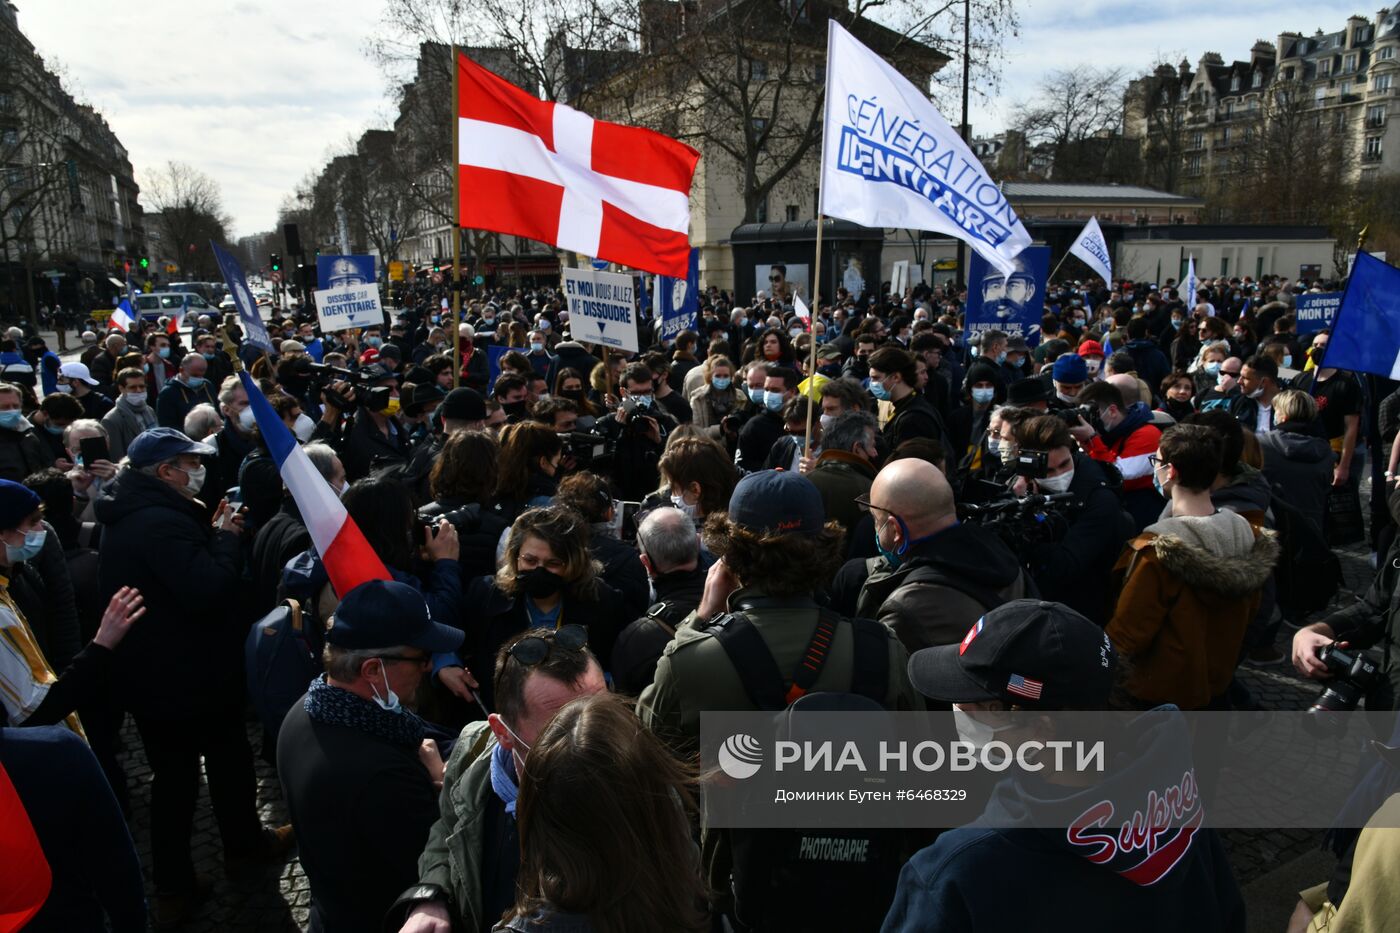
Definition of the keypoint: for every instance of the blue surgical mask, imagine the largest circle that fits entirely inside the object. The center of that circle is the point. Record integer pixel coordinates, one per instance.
(14, 420)
(773, 401)
(375, 342)
(721, 383)
(208, 356)
(1001, 357)
(755, 396)
(1212, 368)
(536, 347)
(743, 322)
(54, 429)
(878, 390)
(1288, 361)
(164, 353)
(390, 701)
(894, 558)
(195, 382)
(643, 401)
(983, 396)
(1176, 323)
(33, 544)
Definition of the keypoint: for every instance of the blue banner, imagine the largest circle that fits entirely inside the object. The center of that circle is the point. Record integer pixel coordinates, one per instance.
(1011, 304)
(1366, 335)
(494, 354)
(343, 271)
(1314, 312)
(678, 300)
(254, 331)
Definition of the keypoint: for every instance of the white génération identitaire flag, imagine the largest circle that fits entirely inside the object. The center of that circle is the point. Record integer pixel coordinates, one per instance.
(1091, 247)
(1192, 285)
(889, 159)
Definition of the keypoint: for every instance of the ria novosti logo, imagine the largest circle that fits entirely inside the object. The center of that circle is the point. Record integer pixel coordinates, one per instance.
(740, 756)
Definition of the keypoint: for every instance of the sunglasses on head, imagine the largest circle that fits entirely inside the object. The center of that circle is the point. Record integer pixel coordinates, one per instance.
(534, 649)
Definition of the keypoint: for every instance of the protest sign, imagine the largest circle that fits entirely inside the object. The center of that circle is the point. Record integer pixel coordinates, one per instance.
(1011, 304)
(601, 307)
(350, 306)
(254, 331)
(342, 271)
(677, 301)
(1316, 311)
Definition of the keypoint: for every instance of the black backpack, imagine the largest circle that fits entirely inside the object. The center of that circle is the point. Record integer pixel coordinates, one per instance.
(1308, 573)
(812, 879)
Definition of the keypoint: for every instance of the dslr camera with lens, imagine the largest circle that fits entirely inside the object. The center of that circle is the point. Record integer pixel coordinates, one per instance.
(1352, 676)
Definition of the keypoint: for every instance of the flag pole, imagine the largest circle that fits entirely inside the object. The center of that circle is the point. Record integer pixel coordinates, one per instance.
(1051, 277)
(811, 326)
(456, 231)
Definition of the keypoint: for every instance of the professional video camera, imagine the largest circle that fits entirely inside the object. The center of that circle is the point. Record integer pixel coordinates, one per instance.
(367, 395)
(1023, 522)
(586, 449)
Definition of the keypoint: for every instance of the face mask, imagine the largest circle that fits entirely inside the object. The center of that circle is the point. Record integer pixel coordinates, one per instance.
(247, 420)
(134, 399)
(721, 383)
(14, 420)
(1157, 485)
(520, 750)
(208, 356)
(488, 322)
(983, 396)
(1213, 368)
(1093, 366)
(1067, 399)
(164, 353)
(54, 429)
(1056, 484)
(540, 583)
(33, 544)
(1001, 357)
(756, 396)
(826, 420)
(743, 322)
(688, 508)
(1176, 323)
(374, 342)
(195, 483)
(390, 701)
(64, 388)
(1014, 362)
(303, 427)
(643, 401)
(878, 390)
(1006, 450)
(773, 401)
(1077, 322)
(973, 731)
(536, 347)
(894, 558)
(1257, 392)
(1287, 361)
(341, 489)
(195, 382)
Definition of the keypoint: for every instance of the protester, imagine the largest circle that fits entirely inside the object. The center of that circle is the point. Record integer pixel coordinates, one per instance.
(846, 466)
(130, 416)
(670, 550)
(1297, 458)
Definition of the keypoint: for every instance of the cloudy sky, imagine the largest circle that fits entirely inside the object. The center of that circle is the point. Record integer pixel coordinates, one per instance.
(256, 93)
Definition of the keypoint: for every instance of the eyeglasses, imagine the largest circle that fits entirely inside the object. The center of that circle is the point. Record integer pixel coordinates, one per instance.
(533, 650)
(422, 660)
(865, 505)
(1154, 461)
(1232, 375)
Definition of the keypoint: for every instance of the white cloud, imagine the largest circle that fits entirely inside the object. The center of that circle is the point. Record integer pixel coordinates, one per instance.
(254, 93)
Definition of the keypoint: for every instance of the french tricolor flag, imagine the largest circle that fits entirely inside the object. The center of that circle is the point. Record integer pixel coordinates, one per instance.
(348, 558)
(123, 317)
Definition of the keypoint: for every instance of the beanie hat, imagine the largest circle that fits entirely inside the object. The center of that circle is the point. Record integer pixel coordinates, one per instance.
(1070, 369)
(17, 502)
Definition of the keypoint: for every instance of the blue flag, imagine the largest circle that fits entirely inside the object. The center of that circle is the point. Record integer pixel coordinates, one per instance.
(493, 362)
(1366, 335)
(677, 301)
(254, 331)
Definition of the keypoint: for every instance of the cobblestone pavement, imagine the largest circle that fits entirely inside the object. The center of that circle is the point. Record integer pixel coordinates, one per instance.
(279, 900)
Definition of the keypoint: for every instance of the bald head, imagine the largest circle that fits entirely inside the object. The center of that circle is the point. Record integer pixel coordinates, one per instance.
(1126, 384)
(917, 492)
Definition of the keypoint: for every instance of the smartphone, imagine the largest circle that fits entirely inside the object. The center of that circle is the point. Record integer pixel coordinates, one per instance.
(92, 449)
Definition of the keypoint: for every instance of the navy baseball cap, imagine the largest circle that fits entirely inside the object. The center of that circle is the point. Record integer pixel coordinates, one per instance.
(1027, 652)
(157, 445)
(383, 613)
(777, 502)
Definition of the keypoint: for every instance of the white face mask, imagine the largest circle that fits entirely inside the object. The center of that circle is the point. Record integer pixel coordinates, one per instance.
(826, 420)
(1067, 399)
(688, 508)
(1093, 366)
(390, 701)
(1006, 450)
(973, 731)
(247, 420)
(64, 388)
(1056, 484)
(194, 482)
(134, 399)
(303, 427)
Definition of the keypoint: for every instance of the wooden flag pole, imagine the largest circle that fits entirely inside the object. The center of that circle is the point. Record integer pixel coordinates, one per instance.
(812, 332)
(1051, 277)
(456, 231)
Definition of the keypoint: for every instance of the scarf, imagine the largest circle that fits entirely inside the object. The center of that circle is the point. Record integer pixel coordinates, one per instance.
(503, 778)
(337, 707)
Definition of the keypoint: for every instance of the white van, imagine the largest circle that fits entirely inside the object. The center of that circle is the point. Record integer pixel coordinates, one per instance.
(157, 304)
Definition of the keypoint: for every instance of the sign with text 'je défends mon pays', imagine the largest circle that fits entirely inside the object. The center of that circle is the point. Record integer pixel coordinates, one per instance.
(349, 306)
(1316, 310)
(602, 308)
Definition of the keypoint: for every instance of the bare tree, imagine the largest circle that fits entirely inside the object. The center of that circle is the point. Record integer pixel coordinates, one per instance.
(1078, 114)
(191, 212)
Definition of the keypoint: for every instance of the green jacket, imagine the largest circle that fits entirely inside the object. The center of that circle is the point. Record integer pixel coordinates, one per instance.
(452, 858)
(695, 674)
(840, 476)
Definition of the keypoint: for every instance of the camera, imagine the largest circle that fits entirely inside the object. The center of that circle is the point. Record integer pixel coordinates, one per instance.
(1352, 676)
(1032, 464)
(1089, 413)
(1025, 522)
(367, 395)
(586, 449)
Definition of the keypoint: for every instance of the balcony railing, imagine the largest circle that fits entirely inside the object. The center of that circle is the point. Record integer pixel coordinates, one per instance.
(1376, 92)
(1370, 156)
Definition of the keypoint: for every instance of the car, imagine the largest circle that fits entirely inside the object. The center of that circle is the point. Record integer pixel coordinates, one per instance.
(228, 304)
(154, 306)
(264, 298)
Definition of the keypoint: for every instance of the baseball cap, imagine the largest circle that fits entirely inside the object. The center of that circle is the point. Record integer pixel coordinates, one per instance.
(776, 501)
(382, 613)
(1027, 652)
(160, 444)
(1070, 369)
(1091, 348)
(369, 356)
(463, 404)
(77, 371)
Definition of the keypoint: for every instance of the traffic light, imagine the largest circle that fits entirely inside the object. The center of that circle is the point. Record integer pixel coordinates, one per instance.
(276, 261)
(144, 263)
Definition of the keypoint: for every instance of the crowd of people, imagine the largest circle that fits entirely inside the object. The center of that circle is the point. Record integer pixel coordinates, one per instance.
(587, 552)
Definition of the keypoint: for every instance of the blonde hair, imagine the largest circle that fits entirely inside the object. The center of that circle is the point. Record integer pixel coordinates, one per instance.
(1292, 405)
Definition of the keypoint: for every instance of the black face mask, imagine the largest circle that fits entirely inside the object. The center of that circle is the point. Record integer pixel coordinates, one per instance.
(540, 583)
(515, 409)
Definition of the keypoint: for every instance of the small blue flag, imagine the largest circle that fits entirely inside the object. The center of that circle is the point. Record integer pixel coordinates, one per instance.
(494, 354)
(254, 331)
(1366, 333)
(677, 301)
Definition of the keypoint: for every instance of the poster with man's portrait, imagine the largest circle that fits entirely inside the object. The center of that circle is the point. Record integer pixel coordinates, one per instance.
(1012, 304)
(781, 280)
